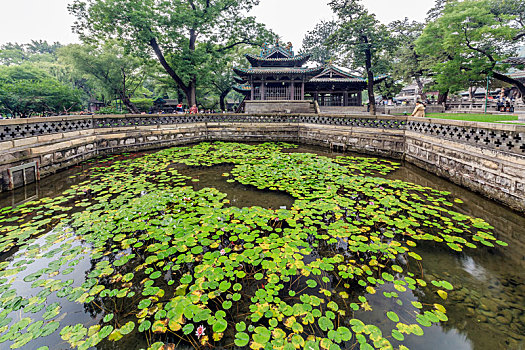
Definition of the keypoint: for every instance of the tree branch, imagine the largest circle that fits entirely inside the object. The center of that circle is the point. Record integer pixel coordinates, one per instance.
(483, 52)
(247, 42)
(155, 46)
(506, 79)
(192, 4)
(519, 36)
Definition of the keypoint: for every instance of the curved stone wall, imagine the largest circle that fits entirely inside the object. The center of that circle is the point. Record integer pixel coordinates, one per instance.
(486, 158)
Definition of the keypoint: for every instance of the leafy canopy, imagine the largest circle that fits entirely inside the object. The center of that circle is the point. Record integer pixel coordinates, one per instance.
(466, 43)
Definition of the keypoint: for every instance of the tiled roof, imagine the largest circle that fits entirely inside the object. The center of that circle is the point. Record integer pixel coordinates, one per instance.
(257, 60)
(239, 80)
(243, 89)
(277, 49)
(518, 75)
(331, 68)
(515, 60)
(277, 70)
(337, 80)
(380, 78)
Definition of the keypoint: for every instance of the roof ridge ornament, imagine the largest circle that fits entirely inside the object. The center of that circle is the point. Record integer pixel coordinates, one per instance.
(267, 50)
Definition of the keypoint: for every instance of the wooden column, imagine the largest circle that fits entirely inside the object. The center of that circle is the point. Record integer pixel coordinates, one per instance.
(263, 90)
(302, 91)
(253, 89)
(292, 90)
(345, 99)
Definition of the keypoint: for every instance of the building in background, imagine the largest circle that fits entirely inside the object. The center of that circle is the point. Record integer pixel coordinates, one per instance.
(277, 74)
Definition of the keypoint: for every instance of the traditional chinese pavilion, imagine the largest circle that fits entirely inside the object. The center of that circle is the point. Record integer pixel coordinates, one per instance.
(277, 74)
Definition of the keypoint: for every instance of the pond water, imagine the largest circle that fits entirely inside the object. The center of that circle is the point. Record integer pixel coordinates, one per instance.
(62, 286)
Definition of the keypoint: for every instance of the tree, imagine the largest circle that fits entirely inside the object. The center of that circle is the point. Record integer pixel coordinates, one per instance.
(317, 42)
(220, 80)
(26, 90)
(409, 65)
(363, 39)
(118, 74)
(41, 47)
(36, 51)
(466, 43)
(502, 9)
(13, 54)
(388, 88)
(436, 11)
(183, 34)
(512, 11)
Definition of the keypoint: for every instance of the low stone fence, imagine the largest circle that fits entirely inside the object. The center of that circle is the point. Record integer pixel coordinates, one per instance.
(487, 158)
(408, 109)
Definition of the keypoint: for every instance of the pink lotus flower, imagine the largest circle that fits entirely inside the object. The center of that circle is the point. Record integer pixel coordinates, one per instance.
(200, 331)
(223, 251)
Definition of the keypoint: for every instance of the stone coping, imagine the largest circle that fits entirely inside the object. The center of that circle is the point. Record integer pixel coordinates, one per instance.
(460, 123)
(470, 124)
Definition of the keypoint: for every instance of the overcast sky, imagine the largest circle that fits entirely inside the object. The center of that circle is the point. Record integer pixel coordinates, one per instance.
(23, 20)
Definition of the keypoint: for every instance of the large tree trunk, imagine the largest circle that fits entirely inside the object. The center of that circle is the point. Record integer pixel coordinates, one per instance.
(124, 97)
(420, 88)
(506, 79)
(130, 105)
(192, 87)
(191, 93)
(222, 99)
(442, 98)
(160, 56)
(370, 75)
(472, 92)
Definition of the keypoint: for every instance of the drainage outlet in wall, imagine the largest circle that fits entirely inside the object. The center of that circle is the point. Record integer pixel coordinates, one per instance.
(22, 175)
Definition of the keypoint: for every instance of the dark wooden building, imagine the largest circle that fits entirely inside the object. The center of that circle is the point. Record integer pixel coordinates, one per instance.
(278, 74)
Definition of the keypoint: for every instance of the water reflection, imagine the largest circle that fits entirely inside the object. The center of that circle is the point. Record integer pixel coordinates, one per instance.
(239, 195)
(470, 266)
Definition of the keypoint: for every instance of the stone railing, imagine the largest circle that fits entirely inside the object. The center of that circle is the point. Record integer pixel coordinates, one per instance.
(500, 137)
(487, 158)
(14, 129)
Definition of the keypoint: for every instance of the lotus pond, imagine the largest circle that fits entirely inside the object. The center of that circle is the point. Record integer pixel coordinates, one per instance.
(227, 245)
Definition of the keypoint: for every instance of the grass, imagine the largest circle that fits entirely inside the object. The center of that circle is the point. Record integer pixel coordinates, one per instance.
(487, 118)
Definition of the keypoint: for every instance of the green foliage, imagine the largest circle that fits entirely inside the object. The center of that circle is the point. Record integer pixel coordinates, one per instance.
(186, 37)
(143, 104)
(26, 90)
(488, 118)
(36, 51)
(409, 65)
(117, 74)
(365, 43)
(465, 43)
(317, 42)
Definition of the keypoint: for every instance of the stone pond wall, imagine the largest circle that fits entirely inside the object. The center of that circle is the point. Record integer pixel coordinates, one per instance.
(486, 158)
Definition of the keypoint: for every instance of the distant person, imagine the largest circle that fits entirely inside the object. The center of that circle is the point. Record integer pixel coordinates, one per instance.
(194, 109)
(179, 109)
(419, 111)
